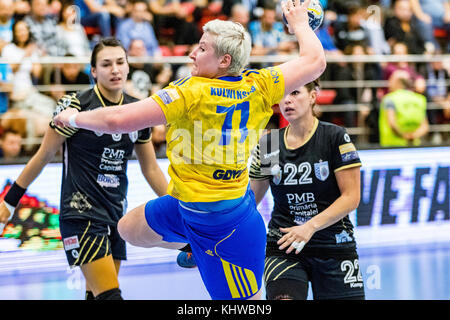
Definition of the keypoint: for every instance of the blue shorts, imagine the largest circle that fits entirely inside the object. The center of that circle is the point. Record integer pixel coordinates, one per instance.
(228, 245)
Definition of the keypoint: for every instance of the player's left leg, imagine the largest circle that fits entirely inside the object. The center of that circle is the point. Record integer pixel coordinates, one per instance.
(89, 294)
(101, 277)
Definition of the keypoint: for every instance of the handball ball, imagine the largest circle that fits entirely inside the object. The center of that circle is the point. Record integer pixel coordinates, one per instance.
(315, 14)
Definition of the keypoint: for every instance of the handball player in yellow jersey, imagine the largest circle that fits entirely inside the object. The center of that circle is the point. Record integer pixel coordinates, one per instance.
(214, 118)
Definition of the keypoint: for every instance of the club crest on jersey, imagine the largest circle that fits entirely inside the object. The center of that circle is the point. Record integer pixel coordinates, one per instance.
(276, 173)
(321, 170)
(79, 202)
(133, 136)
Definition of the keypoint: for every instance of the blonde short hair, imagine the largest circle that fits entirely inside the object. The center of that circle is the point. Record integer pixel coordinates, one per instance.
(231, 38)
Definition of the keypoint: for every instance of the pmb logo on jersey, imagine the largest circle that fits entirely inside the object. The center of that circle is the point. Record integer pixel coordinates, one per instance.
(321, 170)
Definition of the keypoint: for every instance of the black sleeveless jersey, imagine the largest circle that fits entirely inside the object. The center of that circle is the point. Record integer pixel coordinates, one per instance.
(94, 180)
(303, 184)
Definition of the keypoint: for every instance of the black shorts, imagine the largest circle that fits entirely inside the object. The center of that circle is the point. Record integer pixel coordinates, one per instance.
(87, 240)
(330, 278)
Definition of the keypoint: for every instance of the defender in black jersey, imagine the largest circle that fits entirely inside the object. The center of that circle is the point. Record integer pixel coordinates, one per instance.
(313, 171)
(94, 180)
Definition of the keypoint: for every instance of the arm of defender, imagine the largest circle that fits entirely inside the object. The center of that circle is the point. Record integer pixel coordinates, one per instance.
(50, 145)
(349, 184)
(349, 181)
(118, 119)
(259, 188)
(311, 62)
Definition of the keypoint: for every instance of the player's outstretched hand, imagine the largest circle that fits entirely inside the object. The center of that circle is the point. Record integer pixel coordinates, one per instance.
(296, 13)
(295, 238)
(62, 119)
(5, 215)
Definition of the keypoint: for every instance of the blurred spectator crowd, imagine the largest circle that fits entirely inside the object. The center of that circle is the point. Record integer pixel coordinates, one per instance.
(33, 29)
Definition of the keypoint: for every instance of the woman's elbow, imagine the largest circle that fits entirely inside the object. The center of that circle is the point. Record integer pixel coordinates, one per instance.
(114, 123)
(321, 64)
(354, 201)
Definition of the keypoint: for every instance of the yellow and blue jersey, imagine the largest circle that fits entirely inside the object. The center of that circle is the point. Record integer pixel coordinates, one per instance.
(213, 125)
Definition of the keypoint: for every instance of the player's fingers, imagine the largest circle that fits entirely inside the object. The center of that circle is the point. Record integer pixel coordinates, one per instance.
(283, 5)
(291, 247)
(306, 3)
(282, 240)
(288, 4)
(284, 237)
(285, 230)
(299, 246)
(288, 239)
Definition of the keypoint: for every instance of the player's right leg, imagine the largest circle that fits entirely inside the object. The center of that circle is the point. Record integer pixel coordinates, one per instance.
(154, 224)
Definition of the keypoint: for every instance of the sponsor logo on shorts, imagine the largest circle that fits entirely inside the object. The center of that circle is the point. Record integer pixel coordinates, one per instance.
(75, 254)
(71, 243)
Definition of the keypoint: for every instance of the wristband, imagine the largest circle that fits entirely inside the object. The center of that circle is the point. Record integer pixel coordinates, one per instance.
(72, 122)
(14, 194)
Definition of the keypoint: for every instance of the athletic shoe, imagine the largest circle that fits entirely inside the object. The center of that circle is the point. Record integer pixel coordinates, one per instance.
(186, 260)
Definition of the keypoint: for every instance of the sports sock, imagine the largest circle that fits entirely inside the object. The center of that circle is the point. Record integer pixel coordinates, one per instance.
(186, 248)
(89, 295)
(113, 294)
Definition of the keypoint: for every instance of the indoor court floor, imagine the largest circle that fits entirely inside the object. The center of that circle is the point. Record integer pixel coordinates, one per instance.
(391, 273)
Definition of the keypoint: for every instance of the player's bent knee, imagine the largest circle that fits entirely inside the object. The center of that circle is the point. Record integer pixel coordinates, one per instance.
(124, 229)
(134, 229)
(128, 227)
